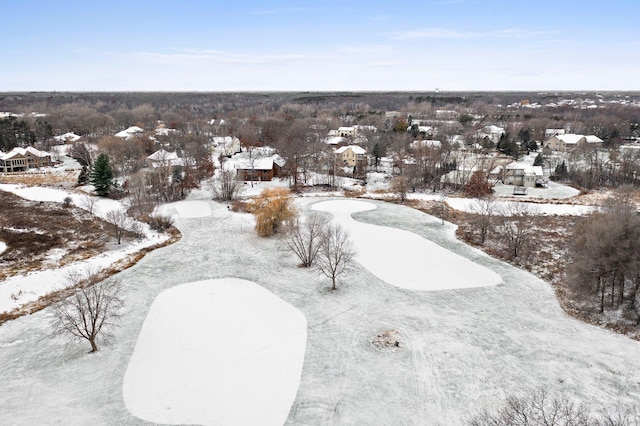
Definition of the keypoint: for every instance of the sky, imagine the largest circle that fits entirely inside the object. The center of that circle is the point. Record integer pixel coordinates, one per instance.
(321, 45)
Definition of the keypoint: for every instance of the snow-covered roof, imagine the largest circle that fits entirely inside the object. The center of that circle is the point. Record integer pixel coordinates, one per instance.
(67, 137)
(162, 155)
(358, 150)
(570, 138)
(162, 131)
(593, 139)
(261, 163)
(130, 132)
(23, 152)
(334, 140)
(528, 169)
(431, 143)
(224, 140)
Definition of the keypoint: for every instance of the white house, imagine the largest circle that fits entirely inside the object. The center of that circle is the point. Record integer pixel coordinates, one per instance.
(521, 174)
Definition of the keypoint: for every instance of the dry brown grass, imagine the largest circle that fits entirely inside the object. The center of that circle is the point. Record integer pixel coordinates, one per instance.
(58, 295)
(66, 179)
(32, 229)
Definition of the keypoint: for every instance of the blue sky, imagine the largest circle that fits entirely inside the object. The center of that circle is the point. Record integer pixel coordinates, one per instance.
(320, 45)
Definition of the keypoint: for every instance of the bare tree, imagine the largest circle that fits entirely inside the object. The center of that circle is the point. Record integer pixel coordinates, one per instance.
(335, 255)
(399, 187)
(121, 224)
(538, 408)
(226, 187)
(517, 226)
(88, 202)
(304, 239)
(92, 311)
(484, 208)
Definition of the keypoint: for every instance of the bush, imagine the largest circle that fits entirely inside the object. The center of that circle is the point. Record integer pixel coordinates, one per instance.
(273, 208)
(67, 202)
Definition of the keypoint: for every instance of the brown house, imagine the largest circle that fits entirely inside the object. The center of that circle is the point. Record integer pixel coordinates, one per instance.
(260, 169)
(23, 159)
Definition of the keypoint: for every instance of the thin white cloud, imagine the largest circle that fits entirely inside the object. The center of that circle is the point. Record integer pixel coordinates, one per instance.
(280, 11)
(220, 56)
(446, 33)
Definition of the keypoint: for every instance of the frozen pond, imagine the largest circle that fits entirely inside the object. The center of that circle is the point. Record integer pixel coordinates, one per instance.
(221, 351)
(405, 259)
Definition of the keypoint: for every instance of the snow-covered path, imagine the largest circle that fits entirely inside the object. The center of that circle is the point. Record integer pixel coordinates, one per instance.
(461, 351)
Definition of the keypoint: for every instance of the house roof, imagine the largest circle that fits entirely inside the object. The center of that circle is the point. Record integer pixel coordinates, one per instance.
(358, 150)
(528, 170)
(67, 137)
(570, 138)
(262, 163)
(130, 132)
(23, 152)
(431, 143)
(593, 139)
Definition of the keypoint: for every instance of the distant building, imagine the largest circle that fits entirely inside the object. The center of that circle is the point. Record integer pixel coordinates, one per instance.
(23, 159)
(570, 141)
(350, 156)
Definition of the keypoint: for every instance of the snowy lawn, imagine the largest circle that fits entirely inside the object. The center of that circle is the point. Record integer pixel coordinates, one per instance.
(461, 350)
(417, 263)
(186, 209)
(221, 351)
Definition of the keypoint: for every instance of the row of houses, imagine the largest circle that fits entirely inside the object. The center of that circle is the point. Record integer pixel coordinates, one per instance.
(23, 159)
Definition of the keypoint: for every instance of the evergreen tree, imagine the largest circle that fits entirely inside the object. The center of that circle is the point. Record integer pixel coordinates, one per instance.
(538, 161)
(102, 175)
(83, 177)
(378, 152)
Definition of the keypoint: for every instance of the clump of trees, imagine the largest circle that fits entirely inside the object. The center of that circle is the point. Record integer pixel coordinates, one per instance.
(324, 247)
(605, 247)
(92, 312)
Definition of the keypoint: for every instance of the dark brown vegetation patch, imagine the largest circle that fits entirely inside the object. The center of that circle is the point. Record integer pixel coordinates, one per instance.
(32, 229)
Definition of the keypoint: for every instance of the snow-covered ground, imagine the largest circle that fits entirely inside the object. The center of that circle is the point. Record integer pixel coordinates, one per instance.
(3, 247)
(18, 290)
(461, 350)
(418, 264)
(223, 351)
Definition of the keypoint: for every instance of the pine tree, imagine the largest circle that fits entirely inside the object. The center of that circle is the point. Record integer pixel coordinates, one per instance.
(539, 161)
(83, 177)
(102, 175)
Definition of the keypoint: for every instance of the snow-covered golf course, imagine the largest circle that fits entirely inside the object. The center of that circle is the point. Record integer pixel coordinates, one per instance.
(222, 296)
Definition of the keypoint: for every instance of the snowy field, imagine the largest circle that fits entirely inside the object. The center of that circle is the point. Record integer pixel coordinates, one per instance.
(418, 264)
(461, 350)
(216, 352)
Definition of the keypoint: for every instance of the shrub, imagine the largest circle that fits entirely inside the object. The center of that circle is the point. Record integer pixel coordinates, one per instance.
(273, 207)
